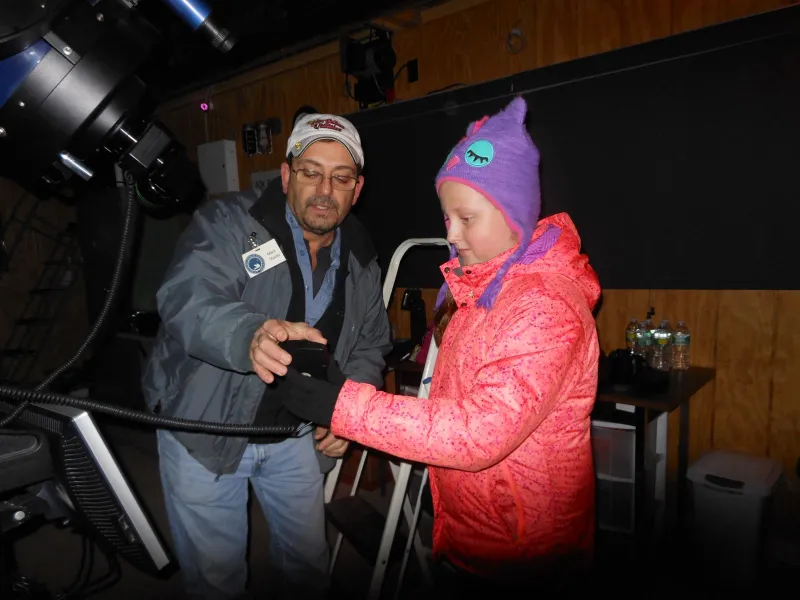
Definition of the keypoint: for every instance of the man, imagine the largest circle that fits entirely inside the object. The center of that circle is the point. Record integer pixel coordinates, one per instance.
(248, 273)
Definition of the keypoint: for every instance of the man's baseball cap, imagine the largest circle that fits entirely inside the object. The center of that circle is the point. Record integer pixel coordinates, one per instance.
(314, 127)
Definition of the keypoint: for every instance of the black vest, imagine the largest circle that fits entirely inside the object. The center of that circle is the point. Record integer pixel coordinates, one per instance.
(269, 211)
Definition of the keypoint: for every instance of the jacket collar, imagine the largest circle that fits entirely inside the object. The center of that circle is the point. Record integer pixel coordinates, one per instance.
(269, 210)
(468, 283)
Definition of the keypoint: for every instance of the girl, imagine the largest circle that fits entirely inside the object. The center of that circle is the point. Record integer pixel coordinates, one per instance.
(505, 430)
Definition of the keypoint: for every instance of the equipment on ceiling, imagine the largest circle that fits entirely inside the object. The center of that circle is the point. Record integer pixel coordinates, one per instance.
(371, 61)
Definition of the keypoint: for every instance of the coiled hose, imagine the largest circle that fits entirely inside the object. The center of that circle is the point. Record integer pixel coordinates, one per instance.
(28, 396)
(39, 395)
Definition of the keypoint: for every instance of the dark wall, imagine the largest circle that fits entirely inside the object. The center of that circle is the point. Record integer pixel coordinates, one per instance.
(678, 159)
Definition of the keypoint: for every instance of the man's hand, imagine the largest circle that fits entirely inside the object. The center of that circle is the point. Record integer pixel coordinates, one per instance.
(330, 444)
(265, 353)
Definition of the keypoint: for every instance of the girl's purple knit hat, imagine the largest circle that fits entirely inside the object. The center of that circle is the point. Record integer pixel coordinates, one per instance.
(498, 159)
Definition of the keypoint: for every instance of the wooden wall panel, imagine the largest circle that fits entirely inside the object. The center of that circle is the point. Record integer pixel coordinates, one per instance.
(555, 31)
(401, 319)
(784, 408)
(694, 14)
(745, 334)
(645, 20)
(616, 309)
(599, 26)
(749, 336)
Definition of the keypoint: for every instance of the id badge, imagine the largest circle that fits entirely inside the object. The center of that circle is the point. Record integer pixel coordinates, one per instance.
(262, 258)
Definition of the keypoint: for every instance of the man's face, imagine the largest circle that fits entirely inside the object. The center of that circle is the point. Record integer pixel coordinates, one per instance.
(321, 186)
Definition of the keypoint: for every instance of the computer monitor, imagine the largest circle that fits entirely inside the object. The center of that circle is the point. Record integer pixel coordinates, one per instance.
(91, 484)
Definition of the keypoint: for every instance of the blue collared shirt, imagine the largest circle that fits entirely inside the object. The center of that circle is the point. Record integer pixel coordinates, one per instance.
(315, 305)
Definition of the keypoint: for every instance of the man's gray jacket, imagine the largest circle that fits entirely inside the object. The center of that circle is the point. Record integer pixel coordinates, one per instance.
(210, 308)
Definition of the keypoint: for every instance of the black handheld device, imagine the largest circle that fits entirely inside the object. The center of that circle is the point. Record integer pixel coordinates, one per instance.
(309, 358)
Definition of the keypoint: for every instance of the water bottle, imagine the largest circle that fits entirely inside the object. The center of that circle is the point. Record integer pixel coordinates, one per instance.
(661, 354)
(644, 339)
(680, 347)
(651, 328)
(630, 335)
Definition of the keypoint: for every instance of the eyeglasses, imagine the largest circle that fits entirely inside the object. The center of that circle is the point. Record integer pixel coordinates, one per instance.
(343, 183)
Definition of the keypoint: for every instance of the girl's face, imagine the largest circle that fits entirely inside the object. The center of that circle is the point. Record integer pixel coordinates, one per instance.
(475, 227)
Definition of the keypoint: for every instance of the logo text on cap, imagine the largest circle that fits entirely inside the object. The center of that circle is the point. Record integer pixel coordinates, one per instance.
(332, 124)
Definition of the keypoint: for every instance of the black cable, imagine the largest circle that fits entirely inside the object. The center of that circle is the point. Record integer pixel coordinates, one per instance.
(88, 587)
(147, 418)
(104, 582)
(78, 593)
(400, 70)
(76, 585)
(347, 88)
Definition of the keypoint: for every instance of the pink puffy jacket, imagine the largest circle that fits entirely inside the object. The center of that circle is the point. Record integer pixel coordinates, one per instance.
(506, 429)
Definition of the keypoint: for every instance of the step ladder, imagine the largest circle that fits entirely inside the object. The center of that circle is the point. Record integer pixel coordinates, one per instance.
(352, 508)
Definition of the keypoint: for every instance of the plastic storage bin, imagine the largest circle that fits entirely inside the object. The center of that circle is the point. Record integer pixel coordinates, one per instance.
(730, 497)
(614, 448)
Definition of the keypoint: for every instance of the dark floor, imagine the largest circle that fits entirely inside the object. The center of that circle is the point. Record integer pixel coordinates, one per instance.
(52, 555)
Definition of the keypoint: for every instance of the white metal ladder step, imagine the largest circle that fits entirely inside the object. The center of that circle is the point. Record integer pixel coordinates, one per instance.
(348, 508)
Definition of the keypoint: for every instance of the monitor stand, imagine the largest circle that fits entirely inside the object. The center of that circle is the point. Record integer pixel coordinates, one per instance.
(25, 465)
(13, 585)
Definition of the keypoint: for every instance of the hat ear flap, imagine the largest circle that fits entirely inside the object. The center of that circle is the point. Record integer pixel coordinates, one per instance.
(440, 296)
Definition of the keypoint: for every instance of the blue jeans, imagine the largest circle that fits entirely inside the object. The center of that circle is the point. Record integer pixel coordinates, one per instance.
(208, 518)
